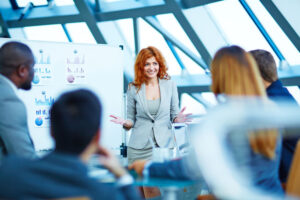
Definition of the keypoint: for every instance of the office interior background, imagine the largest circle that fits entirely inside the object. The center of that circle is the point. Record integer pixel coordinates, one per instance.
(188, 32)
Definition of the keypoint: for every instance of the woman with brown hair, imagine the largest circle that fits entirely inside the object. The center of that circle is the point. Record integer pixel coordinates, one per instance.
(152, 106)
(235, 73)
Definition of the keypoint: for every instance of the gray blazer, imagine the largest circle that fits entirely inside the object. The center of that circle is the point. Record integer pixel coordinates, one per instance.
(144, 123)
(14, 134)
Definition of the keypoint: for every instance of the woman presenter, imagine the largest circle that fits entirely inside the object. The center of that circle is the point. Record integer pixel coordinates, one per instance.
(152, 106)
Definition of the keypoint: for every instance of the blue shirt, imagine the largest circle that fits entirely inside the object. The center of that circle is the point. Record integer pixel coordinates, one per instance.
(277, 92)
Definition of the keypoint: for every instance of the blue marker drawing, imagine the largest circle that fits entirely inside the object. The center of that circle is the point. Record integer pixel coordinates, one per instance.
(38, 121)
(36, 79)
(44, 102)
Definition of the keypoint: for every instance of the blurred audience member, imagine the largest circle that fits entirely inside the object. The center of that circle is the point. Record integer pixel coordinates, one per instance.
(268, 70)
(235, 73)
(75, 127)
(276, 91)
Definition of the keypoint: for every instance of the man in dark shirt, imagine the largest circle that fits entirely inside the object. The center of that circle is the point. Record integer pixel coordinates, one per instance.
(75, 127)
(275, 92)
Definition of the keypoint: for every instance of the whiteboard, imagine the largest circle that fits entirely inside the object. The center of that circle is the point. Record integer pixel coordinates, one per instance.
(62, 67)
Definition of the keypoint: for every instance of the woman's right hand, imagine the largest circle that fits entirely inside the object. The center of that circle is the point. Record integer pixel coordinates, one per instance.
(117, 120)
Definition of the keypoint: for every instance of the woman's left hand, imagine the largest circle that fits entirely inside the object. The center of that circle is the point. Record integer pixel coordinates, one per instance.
(182, 118)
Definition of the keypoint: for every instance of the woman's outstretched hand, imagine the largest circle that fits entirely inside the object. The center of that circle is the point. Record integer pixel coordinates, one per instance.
(181, 117)
(117, 120)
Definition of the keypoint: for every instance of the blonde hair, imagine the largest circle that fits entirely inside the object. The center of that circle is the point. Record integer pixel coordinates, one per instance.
(234, 72)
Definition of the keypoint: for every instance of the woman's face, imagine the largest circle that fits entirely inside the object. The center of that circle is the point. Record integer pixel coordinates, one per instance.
(151, 68)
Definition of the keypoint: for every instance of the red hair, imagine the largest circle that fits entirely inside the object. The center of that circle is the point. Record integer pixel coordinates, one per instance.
(144, 54)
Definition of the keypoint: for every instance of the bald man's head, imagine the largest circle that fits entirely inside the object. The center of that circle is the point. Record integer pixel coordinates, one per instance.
(16, 63)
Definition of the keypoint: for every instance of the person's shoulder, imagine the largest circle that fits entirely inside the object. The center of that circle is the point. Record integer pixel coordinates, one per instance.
(166, 80)
(13, 158)
(7, 92)
(11, 164)
(13, 108)
(131, 88)
(104, 190)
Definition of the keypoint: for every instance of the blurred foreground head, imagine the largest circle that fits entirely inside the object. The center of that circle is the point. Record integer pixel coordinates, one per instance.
(75, 121)
(234, 72)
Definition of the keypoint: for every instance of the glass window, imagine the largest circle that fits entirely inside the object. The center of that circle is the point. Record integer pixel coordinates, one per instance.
(113, 34)
(191, 66)
(46, 33)
(237, 26)
(126, 28)
(112, 0)
(64, 2)
(80, 33)
(169, 22)
(192, 106)
(283, 43)
(206, 27)
(22, 3)
(17, 33)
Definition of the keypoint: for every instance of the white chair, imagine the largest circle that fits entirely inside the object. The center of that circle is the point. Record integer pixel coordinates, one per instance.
(224, 178)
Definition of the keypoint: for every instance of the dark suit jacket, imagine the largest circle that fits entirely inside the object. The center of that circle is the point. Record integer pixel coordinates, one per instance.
(277, 92)
(55, 176)
(14, 133)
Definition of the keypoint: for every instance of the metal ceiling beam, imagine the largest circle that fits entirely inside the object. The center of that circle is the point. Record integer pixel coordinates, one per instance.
(42, 16)
(262, 30)
(175, 54)
(156, 25)
(14, 4)
(97, 6)
(3, 28)
(69, 14)
(88, 16)
(66, 32)
(106, 15)
(192, 83)
(202, 82)
(136, 35)
(44, 21)
(193, 3)
(39, 12)
(282, 22)
(187, 27)
(290, 76)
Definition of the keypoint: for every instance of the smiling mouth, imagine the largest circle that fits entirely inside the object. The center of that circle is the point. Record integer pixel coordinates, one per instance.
(151, 72)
